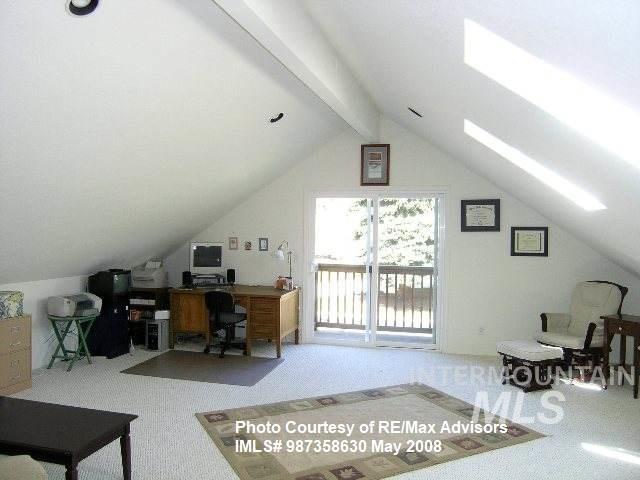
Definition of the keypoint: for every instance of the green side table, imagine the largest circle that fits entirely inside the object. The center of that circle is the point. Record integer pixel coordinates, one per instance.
(61, 327)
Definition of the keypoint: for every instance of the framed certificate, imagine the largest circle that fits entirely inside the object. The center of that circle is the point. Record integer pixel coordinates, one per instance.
(529, 241)
(480, 215)
(374, 164)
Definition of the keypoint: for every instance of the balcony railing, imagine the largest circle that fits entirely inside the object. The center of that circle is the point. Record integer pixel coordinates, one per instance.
(404, 298)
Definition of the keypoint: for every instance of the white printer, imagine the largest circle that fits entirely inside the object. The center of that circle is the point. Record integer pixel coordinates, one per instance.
(150, 275)
(76, 305)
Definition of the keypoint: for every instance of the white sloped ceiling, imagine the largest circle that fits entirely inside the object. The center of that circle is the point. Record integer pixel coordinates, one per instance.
(125, 132)
(410, 53)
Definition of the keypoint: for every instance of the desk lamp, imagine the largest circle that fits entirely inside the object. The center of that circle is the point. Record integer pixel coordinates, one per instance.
(280, 254)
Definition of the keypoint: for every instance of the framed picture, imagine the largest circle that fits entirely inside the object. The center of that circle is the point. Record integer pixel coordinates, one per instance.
(480, 215)
(233, 243)
(263, 244)
(247, 245)
(374, 164)
(530, 241)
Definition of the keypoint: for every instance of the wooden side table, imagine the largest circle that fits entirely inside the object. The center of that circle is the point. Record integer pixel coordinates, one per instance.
(623, 325)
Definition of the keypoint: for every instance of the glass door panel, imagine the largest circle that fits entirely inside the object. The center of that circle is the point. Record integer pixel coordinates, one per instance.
(406, 253)
(342, 264)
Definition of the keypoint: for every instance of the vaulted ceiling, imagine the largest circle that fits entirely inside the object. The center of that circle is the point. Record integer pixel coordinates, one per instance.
(125, 132)
(411, 53)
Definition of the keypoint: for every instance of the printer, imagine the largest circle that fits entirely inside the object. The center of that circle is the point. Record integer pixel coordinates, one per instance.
(150, 275)
(76, 305)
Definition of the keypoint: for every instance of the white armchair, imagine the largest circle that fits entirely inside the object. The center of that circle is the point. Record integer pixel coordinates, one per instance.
(582, 330)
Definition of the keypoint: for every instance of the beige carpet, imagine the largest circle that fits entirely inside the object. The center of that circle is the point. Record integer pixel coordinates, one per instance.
(361, 456)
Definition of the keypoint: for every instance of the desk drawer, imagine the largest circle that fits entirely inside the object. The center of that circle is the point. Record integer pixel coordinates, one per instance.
(262, 331)
(265, 305)
(624, 328)
(15, 368)
(15, 334)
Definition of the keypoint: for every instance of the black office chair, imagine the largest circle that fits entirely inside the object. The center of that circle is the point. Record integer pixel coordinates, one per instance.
(222, 315)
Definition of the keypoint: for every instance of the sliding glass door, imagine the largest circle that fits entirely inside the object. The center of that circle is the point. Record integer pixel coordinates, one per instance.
(374, 268)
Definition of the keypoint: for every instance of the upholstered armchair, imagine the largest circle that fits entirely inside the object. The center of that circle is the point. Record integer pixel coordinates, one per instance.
(582, 330)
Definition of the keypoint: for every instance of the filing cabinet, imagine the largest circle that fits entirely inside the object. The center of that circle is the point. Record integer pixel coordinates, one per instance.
(15, 354)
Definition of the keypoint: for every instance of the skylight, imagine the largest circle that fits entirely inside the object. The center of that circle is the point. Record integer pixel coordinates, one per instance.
(595, 115)
(529, 165)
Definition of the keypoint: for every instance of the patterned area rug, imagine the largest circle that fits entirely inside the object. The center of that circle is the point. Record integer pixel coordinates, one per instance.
(389, 434)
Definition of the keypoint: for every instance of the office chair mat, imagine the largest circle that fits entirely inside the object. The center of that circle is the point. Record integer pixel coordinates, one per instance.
(200, 367)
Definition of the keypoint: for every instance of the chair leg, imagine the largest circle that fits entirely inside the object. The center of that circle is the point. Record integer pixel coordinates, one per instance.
(228, 333)
(567, 358)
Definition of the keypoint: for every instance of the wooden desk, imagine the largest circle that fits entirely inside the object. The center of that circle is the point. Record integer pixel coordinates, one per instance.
(623, 325)
(272, 314)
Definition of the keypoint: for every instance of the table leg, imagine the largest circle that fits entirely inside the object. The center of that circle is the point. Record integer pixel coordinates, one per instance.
(297, 340)
(248, 346)
(207, 338)
(279, 347)
(636, 366)
(623, 356)
(82, 339)
(72, 471)
(125, 451)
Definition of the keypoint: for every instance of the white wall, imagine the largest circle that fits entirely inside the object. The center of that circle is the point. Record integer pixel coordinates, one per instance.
(35, 303)
(123, 136)
(485, 286)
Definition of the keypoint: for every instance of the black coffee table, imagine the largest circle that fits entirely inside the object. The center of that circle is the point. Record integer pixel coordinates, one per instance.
(61, 434)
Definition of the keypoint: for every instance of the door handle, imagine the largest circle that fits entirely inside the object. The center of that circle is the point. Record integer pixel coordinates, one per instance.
(15, 331)
(16, 364)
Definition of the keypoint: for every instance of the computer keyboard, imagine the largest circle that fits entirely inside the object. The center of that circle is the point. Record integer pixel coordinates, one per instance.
(210, 285)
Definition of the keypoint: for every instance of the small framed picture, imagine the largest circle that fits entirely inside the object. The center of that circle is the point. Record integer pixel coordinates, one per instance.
(529, 241)
(374, 164)
(263, 244)
(233, 243)
(480, 215)
(247, 245)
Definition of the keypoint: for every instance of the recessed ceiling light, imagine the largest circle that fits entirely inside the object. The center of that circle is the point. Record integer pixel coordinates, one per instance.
(592, 113)
(414, 112)
(277, 118)
(529, 165)
(82, 7)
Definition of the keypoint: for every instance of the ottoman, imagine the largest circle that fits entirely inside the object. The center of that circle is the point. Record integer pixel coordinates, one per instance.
(21, 467)
(528, 364)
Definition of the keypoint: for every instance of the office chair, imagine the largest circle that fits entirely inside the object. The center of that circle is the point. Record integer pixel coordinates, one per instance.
(222, 314)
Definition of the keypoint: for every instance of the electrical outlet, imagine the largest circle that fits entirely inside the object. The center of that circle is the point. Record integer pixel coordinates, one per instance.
(481, 331)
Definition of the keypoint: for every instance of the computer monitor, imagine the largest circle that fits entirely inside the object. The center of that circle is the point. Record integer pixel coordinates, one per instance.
(205, 258)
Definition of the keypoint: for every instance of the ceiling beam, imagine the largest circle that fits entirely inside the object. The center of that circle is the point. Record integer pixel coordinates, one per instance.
(284, 28)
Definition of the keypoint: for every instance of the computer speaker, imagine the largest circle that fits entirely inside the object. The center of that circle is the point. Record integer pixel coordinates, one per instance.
(187, 279)
(231, 275)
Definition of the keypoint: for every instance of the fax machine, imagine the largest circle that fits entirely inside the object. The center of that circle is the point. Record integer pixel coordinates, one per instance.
(150, 275)
(78, 305)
